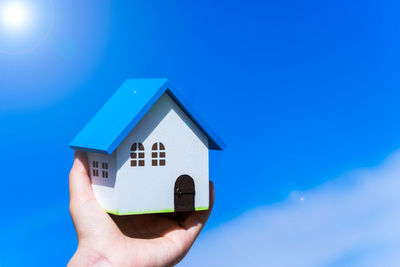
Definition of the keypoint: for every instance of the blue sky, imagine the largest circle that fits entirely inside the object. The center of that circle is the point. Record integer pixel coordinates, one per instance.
(301, 92)
(334, 224)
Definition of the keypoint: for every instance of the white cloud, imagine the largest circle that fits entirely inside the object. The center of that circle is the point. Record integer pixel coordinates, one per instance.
(351, 221)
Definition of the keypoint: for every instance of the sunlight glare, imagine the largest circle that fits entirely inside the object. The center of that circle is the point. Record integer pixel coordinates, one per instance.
(15, 15)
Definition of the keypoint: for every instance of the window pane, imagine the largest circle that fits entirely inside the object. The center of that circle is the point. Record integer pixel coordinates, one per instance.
(93, 164)
(134, 147)
(162, 146)
(141, 147)
(154, 147)
(133, 155)
(141, 155)
(154, 154)
(162, 162)
(154, 162)
(141, 162)
(106, 164)
(133, 163)
(106, 174)
(162, 154)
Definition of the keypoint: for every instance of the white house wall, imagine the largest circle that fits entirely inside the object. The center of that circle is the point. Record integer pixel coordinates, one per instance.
(150, 188)
(104, 188)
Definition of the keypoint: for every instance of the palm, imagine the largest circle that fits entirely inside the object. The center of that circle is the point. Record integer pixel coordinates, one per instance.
(135, 240)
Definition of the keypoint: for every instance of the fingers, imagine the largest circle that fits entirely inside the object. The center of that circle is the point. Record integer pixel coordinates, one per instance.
(184, 235)
(80, 189)
(195, 222)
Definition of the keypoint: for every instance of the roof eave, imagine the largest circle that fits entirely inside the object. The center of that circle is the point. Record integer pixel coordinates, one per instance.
(91, 150)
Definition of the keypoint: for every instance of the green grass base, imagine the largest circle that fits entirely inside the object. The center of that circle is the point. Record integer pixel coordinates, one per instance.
(116, 212)
(201, 208)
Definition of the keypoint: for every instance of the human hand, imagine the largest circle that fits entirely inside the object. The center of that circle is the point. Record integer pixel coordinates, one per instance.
(132, 240)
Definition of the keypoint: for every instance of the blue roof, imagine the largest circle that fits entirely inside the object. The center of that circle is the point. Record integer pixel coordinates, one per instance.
(120, 114)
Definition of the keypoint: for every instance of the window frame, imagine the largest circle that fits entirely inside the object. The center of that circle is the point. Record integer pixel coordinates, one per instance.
(137, 155)
(104, 169)
(95, 168)
(158, 154)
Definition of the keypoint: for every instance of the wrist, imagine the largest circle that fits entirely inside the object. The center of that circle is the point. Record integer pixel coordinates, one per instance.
(88, 257)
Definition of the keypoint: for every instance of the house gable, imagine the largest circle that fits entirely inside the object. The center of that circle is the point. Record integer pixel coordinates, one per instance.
(150, 187)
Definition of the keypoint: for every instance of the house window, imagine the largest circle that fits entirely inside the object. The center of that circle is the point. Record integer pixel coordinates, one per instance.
(95, 168)
(137, 155)
(158, 154)
(104, 171)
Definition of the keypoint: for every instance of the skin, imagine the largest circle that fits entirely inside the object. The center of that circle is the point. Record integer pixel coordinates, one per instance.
(133, 240)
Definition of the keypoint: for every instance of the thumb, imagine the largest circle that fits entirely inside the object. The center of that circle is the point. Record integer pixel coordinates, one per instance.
(87, 215)
(80, 189)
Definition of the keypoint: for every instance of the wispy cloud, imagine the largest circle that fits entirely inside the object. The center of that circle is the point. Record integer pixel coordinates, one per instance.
(351, 221)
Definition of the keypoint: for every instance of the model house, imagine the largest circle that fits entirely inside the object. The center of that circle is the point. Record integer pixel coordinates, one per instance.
(148, 151)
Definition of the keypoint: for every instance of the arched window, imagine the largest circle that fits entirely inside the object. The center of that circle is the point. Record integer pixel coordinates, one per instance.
(137, 155)
(158, 154)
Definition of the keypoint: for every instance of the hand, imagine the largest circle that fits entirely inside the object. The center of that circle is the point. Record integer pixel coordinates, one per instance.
(131, 240)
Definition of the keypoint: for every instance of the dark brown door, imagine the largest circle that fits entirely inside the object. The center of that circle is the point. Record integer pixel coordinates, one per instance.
(184, 194)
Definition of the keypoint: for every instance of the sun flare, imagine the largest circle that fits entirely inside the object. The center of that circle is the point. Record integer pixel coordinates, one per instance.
(15, 16)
